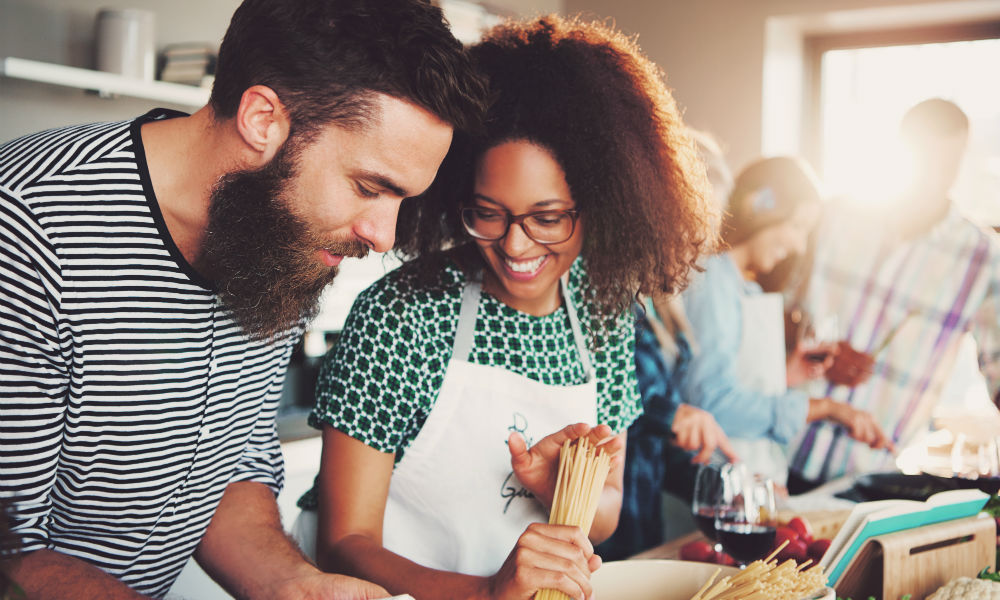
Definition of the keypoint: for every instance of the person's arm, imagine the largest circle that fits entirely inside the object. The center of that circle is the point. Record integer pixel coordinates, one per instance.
(861, 425)
(246, 550)
(353, 488)
(47, 574)
(697, 431)
(35, 382)
(712, 382)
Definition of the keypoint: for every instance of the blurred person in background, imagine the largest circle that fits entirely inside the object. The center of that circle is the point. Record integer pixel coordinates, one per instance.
(668, 441)
(906, 282)
(742, 372)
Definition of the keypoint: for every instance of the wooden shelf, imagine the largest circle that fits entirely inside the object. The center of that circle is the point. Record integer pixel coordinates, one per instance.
(105, 84)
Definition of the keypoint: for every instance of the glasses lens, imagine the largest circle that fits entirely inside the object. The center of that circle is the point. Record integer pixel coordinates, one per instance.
(549, 227)
(484, 223)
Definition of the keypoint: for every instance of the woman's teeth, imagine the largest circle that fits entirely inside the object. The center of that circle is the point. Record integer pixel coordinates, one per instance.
(524, 266)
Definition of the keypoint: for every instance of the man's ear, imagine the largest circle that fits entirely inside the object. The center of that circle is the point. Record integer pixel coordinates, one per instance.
(262, 122)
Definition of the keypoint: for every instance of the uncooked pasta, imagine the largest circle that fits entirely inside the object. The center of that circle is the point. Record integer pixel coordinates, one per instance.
(765, 580)
(583, 470)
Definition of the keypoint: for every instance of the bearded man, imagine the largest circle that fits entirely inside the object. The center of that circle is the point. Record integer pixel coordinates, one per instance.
(156, 274)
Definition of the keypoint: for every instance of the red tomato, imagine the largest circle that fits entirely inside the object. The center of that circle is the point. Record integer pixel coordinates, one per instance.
(795, 550)
(803, 527)
(698, 550)
(782, 533)
(817, 549)
(722, 558)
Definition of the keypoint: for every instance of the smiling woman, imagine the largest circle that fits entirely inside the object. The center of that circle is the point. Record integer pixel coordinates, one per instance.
(459, 376)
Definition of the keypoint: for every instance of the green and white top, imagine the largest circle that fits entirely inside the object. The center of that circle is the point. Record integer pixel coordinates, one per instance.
(381, 380)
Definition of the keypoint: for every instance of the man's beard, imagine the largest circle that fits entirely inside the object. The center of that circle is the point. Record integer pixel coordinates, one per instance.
(261, 256)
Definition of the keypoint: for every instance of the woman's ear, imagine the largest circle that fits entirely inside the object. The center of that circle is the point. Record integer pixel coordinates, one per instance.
(262, 122)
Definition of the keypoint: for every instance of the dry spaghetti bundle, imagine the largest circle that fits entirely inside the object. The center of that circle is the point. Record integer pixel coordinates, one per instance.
(583, 469)
(765, 580)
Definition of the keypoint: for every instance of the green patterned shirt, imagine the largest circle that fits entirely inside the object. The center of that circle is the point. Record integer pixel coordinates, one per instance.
(380, 381)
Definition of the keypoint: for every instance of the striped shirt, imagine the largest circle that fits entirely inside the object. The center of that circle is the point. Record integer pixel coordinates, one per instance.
(129, 398)
(921, 295)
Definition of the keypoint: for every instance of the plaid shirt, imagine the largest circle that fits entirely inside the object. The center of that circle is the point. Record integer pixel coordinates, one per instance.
(924, 293)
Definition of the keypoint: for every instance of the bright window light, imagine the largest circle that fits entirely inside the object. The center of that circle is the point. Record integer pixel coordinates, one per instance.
(865, 92)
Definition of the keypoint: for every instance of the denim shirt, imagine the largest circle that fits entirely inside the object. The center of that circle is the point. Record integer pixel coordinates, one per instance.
(652, 463)
(712, 304)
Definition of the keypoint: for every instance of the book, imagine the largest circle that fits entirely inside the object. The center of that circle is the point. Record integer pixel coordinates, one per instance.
(870, 519)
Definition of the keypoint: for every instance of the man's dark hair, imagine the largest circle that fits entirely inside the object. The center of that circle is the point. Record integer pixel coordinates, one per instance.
(587, 94)
(323, 58)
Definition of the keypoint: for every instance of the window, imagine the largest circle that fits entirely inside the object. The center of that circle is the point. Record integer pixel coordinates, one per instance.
(863, 83)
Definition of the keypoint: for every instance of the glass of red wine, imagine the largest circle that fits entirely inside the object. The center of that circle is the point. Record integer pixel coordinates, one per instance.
(745, 521)
(818, 335)
(707, 495)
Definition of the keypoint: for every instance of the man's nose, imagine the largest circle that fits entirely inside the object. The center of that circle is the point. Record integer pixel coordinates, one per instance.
(377, 226)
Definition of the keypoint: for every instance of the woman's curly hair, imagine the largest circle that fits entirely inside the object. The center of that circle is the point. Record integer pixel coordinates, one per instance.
(587, 94)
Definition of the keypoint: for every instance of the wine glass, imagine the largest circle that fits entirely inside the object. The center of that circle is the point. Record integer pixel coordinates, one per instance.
(745, 521)
(818, 335)
(707, 494)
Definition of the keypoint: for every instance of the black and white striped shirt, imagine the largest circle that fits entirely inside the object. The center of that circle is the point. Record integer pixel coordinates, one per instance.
(129, 399)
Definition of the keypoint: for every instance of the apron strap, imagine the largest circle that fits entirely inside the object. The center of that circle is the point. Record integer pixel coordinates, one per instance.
(471, 294)
(467, 318)
(574, 323)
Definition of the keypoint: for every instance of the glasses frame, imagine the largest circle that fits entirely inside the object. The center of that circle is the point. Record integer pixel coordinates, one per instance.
(573, 213)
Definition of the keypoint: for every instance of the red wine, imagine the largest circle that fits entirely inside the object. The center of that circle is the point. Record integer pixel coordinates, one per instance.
(705, 519)
(745, 542)
(817, 357)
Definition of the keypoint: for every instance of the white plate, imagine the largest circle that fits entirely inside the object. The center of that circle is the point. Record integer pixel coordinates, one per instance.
(661, 580)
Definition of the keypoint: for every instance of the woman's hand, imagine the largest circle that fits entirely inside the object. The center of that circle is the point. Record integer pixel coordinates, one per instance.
(696, 430)
(537, 467)
(556, 557)
(860, 424)
(808, 363)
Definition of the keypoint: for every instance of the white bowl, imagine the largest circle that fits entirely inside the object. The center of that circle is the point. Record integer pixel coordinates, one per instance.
(653, 579)
(662, 580)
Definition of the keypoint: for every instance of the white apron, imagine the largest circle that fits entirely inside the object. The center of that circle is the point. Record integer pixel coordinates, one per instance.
(760, 365)
(454, 503)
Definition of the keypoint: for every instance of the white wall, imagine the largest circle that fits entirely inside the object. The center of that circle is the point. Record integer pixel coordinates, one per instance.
(61, 32)
(713, 52)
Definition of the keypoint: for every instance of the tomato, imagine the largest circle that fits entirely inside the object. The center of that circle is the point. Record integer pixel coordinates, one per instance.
(803, 527)
(795, 550)
(698, 550)
(782, 533)
(818, 548)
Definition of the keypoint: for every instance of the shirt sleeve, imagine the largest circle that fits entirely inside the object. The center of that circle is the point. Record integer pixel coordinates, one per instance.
(712, 382)
(262, 460)
(377, 383)
(985, 328)
(34, 378)
(659, 396)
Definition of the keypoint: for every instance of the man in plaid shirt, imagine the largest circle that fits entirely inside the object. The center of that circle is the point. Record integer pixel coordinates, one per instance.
(906, 285)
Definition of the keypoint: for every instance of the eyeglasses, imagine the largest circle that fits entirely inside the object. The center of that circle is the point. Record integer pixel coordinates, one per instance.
(544, 227)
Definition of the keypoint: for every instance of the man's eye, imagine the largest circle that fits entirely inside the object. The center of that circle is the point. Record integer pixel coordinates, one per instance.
(367, 193)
